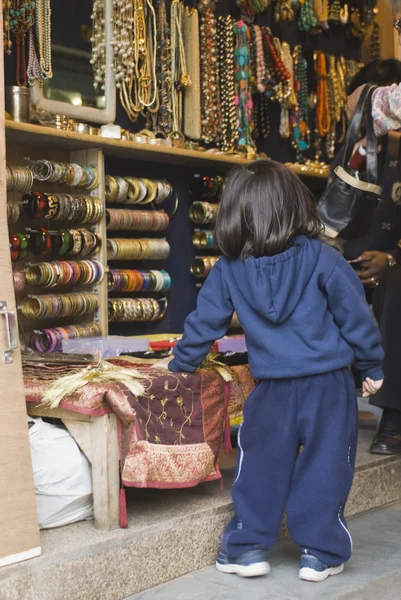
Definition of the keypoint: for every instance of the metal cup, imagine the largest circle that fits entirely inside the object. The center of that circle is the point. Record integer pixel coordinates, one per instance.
(18, 103)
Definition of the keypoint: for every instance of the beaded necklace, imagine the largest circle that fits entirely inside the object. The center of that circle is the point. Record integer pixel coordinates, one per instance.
(299, 118)
(307, 19)
(164, 116)
(210, 85)
(98, 39)
(243, 98)
(322, 108)
(225, 43)
(18, 18)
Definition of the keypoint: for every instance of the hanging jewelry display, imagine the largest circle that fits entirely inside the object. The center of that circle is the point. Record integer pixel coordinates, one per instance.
(18, 18)
(321, 9)
(284, 11)
(225, 43)
(243, 98)
(210, 84)
(192, 94)
(250, 8)
(43, 37)
(299, 118)
(164, 116)
(259, 79)
(289, 99)
(375, 49)
(180, 78)
(98, 40)
(307, 19)
(134, 44)
(335, 11)
(322, 107)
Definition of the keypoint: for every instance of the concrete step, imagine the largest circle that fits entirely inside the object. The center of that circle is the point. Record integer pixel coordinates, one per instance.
(373, 573)
(171, 533)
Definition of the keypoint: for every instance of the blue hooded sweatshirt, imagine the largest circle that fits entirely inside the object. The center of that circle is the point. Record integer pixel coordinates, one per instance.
(303, 313)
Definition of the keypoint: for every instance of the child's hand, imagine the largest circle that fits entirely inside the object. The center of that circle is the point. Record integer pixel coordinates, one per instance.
(163, 363)
(370, 387)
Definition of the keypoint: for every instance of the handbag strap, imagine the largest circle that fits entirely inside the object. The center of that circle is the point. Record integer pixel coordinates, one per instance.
(372, 170)
(354, 127)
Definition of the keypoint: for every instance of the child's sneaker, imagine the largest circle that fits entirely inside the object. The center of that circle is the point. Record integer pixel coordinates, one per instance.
(313, 569)
(251, 564)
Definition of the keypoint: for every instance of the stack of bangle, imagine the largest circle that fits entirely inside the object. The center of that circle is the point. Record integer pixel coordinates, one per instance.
(19, 245)
(203, 212)
(202, 265)
(121, 280)
(19, 179)
(19, 281)
(59, 305)
(13, 212)
(53, 274)
(204, 239)
(207, 187)
(51, 340)
(120, 219)
(135, 190)
(141, 249)
(136, 309)
(87, 210)
(74, 175)
(63, 242)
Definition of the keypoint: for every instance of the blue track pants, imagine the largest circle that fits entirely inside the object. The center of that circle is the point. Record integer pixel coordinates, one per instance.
(319, 413)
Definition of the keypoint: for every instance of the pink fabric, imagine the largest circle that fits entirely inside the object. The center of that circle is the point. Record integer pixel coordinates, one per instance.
(386, 109)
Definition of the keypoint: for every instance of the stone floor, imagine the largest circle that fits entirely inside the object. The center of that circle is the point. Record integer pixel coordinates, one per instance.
(373, 573)
(171, 533)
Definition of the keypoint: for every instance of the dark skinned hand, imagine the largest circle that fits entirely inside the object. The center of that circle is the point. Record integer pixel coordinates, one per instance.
(371, 267)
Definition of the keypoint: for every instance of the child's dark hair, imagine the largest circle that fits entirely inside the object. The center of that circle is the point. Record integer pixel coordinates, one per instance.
(264, 206)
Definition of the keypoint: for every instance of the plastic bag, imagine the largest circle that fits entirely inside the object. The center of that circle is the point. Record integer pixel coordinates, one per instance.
(62, 476)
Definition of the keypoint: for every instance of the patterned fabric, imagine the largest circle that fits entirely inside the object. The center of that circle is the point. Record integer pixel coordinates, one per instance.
(386, 109)
(171, 436)
(239, 393)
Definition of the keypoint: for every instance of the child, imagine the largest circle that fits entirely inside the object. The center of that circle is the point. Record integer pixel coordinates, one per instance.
(305, 319)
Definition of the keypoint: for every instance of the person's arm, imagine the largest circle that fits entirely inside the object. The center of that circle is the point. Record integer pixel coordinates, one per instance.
(386, 109)
(208, 323)
(347, 303)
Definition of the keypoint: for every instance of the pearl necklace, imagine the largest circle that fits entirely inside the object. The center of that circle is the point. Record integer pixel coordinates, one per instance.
(43, 37)
(134, 57)
(98, 39)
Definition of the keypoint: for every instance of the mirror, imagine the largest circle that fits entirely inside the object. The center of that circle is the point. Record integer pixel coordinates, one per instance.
(70, 92)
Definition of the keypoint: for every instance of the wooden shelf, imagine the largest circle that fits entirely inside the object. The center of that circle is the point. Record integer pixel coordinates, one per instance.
(33, 135)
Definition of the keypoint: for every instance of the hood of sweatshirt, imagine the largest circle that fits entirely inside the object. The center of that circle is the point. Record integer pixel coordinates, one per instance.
(274, 285)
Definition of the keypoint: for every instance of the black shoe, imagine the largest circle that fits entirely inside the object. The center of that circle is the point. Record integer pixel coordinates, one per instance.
(386, 443)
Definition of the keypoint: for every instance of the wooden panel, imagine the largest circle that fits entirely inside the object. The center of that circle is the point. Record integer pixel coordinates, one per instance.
(23, 133)
(19, 537)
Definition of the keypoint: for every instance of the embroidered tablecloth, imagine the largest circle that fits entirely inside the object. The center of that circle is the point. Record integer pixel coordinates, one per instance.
(172, 435)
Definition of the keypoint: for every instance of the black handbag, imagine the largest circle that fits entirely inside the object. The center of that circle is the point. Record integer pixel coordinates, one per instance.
(348, 203)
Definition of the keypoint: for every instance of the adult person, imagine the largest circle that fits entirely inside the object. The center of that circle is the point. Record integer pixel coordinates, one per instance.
(379, 268)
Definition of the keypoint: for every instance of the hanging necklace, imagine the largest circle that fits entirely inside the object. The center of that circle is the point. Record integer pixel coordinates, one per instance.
(98, 39)
(164, 122)
(210, 85)
(192, 99)
(243, 98)
(322, 108)
(307, 19)
(225, 43)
